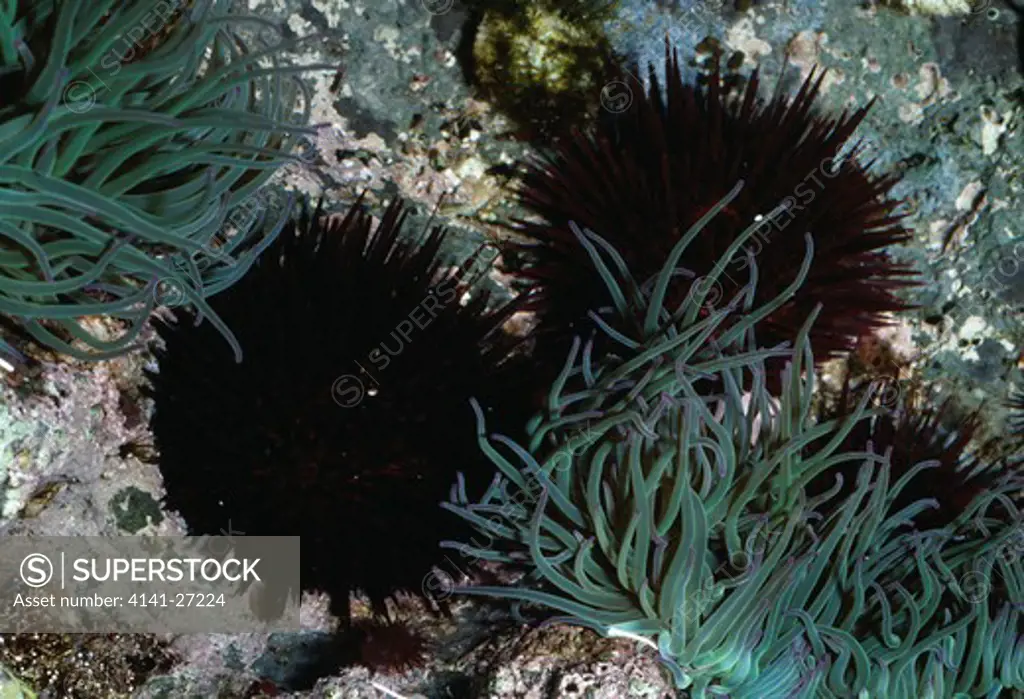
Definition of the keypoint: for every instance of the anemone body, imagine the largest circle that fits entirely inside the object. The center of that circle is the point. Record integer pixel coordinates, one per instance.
(123, 156)
(642, 508)
(348, 418)
(640, 179)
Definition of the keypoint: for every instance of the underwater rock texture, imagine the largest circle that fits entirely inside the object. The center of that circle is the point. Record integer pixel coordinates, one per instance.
(401, 120)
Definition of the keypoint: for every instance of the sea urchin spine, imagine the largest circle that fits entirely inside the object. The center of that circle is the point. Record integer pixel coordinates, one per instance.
(643, 177)
(348, 419)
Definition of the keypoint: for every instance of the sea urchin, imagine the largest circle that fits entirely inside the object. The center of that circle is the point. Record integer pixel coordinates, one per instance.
(1015, 403)
(644, 176)
(348, 418)
(913, 432)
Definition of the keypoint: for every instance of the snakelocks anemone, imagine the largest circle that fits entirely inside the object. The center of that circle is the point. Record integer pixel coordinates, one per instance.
(131, 132)
(348, 416)
(646, 509)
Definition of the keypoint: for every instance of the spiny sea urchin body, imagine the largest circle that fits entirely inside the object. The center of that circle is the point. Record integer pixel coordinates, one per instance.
(1016, 420)
(388, 646)
(642, 178)
(915, 432)
(348, 417)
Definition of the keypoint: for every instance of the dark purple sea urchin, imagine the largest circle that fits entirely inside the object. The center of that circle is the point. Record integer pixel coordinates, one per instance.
(1015, 403)
(389, 646)
(297, 440)
(915, 432)
(643, 177)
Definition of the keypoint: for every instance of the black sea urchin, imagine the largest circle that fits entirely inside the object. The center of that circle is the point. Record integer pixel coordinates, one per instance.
(643, 177)
(349, 416)
(916, 432)
(388, 646)
(1015, 403)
